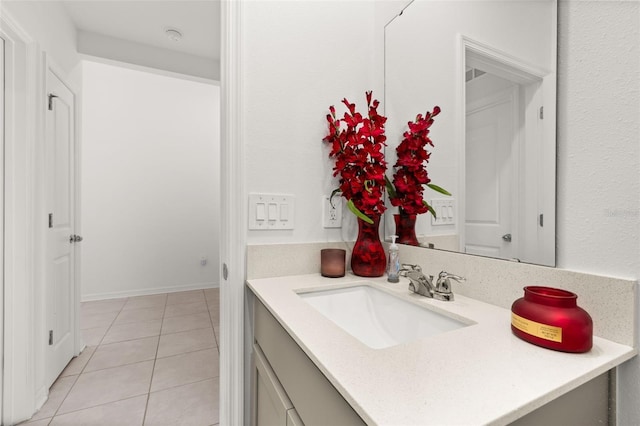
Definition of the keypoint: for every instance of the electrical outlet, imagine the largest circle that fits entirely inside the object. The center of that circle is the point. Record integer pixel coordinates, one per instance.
(332, 212)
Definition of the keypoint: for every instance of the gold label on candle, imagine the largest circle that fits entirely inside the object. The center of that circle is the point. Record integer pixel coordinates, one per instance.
(543, 331)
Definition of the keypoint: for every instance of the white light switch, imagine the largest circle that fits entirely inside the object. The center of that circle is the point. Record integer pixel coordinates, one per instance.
(445, 211)
(271, 211)
(260, 211)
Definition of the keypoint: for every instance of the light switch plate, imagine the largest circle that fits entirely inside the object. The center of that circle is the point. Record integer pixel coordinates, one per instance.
(445, 211)
(271, 211)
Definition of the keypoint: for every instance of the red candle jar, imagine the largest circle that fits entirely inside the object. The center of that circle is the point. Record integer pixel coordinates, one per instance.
(550, 317)
(332, 262)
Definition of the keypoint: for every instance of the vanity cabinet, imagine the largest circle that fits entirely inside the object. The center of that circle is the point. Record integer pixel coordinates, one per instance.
(586, 405)
(288, 389)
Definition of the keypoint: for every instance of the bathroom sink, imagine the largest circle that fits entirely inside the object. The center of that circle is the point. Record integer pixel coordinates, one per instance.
(376, 318)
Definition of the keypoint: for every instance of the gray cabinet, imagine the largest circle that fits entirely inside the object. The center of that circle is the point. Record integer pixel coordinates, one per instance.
(288, 388)
(586, 405)
(272, 405)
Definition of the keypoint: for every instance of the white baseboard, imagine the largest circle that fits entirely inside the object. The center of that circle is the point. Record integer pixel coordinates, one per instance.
(148, 291)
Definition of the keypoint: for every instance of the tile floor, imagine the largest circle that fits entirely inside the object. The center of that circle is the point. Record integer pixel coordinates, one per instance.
(149, 360)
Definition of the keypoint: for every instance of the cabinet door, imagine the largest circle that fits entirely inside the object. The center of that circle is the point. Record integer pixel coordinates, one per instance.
(316, 400)
(270, 399)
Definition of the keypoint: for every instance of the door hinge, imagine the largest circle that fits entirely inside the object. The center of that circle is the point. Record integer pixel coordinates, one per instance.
(541, 113)
(50, 220)
(51, 96)
(50, 337)
(541, 220)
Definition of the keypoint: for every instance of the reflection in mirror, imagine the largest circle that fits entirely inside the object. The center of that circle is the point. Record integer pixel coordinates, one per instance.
(490, 66)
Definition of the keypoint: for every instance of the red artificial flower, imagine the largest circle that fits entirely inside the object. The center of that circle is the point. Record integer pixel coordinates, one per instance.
(357, 144)
(411, 173)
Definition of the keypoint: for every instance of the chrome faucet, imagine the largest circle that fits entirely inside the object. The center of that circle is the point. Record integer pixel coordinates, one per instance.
(443, 286)
(423, 284)
(418, 282)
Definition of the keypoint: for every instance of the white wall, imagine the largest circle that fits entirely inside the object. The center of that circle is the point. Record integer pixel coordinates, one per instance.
(598, 228)
(150, 182)
(100, 46)
(48, 23)
(299, 58)
(598, 134)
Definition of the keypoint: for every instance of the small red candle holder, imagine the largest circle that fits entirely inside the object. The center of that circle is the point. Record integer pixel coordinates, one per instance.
(550, 317)
(332, 262)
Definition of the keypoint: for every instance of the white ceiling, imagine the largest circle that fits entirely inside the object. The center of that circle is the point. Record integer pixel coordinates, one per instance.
(145, 22)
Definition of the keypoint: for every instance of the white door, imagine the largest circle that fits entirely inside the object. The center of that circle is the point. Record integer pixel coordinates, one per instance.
(490, 134)
(60, 199)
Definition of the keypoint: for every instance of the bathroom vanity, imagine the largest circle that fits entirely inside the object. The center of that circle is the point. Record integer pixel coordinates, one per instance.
(308, 369)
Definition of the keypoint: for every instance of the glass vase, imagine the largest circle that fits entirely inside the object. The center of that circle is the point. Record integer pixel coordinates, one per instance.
(368, 258)
(406, 228)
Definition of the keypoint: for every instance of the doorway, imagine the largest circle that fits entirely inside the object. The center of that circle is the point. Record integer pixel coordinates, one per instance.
(23, 315)
(502, 160)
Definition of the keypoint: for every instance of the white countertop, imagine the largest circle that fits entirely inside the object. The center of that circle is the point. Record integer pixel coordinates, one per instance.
(479, 374)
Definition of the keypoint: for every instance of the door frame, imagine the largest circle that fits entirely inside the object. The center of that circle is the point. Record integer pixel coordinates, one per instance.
(23, 323)
(511, 68)
(234, 376)
(19, 323)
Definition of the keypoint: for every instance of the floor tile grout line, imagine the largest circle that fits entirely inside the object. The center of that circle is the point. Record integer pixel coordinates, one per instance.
(184, 331)
(97, 405)
(87, 363)
(215, 335)
(65, 397)
(153, 369)
(188, 352)
(112, 323)
(187, 384)
(150, 359)
(107, 331)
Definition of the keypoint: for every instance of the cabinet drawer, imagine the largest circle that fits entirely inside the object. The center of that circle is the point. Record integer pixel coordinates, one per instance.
(271, 401)
(315, 399)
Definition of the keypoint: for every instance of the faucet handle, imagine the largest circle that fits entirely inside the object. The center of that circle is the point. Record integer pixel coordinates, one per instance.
(443, 285)
(407, 267)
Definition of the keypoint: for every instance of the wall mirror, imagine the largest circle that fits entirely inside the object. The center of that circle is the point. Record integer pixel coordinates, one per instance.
(491, 68)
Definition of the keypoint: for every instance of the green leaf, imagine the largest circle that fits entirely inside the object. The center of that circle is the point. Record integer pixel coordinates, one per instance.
(358, 213)
(431, 210)
(438, 189)
(390, 188)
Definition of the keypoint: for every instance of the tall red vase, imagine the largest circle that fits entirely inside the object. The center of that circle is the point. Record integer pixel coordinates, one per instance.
(368, 258)
(406, 228)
